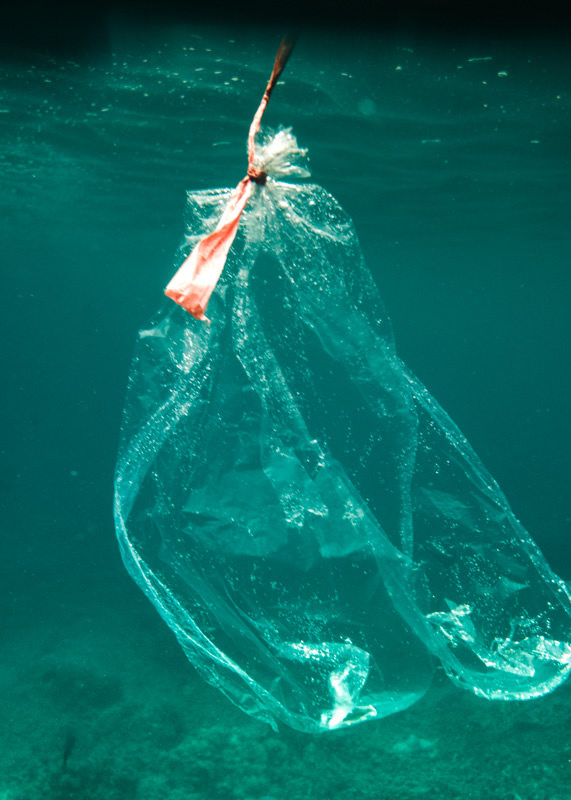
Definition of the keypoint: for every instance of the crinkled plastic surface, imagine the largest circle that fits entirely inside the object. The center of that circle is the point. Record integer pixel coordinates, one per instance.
(305, 517)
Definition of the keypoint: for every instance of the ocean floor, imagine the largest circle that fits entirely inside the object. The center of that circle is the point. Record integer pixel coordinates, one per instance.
(99, 703)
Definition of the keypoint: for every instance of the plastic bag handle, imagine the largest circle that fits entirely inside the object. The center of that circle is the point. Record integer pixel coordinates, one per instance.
(196, 278)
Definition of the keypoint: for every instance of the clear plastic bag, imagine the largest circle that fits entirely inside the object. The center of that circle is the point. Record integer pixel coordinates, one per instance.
(306, 518)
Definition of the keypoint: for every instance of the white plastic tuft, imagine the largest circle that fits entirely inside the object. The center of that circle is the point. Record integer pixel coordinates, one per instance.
(279, 156)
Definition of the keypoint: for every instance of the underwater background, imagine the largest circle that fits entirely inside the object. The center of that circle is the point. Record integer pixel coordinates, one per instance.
(452, 154)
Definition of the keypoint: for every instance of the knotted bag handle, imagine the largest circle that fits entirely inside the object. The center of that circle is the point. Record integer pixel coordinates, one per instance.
(194, 281)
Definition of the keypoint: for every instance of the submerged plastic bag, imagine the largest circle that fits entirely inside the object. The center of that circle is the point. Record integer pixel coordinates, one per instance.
(305, 517)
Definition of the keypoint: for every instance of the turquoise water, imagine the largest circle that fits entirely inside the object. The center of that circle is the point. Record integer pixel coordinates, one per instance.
(452, 157)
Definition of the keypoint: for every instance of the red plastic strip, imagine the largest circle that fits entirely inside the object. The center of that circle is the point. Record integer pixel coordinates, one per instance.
(195, 280)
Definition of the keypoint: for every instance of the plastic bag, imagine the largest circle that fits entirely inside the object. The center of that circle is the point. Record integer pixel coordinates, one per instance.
(303, 514)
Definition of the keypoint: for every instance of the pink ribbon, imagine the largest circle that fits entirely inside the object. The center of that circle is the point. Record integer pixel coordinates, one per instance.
(194, 281)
